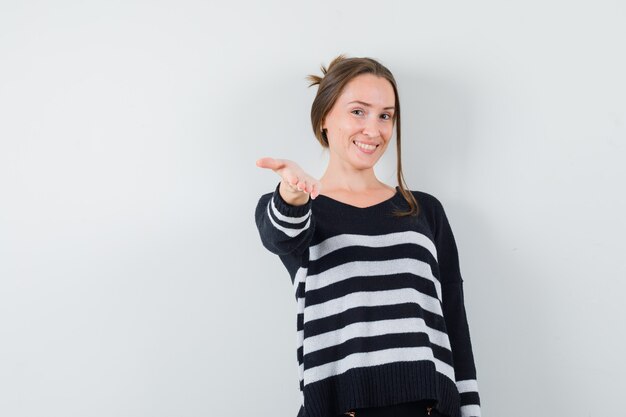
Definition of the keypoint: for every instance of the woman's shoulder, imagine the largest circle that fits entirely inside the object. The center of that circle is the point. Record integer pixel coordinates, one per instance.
(427, 200)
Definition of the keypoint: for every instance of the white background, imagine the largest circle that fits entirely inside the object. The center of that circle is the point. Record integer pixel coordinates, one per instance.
(132, 278)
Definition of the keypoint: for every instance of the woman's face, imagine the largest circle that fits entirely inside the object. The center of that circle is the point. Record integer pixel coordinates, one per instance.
(360, 123)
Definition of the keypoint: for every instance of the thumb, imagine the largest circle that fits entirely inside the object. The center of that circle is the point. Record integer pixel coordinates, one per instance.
(270, 163)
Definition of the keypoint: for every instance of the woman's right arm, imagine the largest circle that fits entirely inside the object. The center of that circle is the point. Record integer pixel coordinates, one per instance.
(284, 217)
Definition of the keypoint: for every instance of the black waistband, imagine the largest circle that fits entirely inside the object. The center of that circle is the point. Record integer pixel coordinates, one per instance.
(408, 409)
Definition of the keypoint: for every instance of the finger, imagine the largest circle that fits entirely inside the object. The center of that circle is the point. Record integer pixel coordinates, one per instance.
(293, 180)
(309, 186)
(264, 162)
(270, 163)
(302, 185)
(315, 190)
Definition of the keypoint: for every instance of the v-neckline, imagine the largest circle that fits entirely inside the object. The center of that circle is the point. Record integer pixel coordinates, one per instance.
(361, 208)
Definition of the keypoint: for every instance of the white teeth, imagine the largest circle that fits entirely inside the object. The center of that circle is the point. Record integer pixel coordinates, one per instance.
(364, 146)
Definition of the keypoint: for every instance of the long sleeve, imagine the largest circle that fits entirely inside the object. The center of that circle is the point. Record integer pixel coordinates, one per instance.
(284, 228)
(455, 315)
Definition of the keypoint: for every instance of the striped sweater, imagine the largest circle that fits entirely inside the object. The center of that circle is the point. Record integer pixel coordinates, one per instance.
(380, 315)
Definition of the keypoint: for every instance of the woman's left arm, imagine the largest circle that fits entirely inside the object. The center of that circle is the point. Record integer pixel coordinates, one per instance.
(455, 316)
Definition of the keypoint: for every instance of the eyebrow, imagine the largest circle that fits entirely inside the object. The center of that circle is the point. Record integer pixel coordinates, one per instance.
(369, 105)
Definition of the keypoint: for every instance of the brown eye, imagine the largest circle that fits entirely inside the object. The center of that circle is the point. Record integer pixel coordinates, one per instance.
(357, 110)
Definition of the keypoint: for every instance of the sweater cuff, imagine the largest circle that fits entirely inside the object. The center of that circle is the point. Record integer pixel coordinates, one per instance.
(470, 398)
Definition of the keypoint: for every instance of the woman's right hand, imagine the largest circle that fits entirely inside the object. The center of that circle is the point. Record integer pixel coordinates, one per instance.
(295, 184)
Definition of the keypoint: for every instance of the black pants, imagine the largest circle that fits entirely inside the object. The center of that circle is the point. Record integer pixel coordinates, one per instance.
(410, 409)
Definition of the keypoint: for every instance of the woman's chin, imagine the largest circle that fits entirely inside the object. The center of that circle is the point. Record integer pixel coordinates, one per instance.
(368, 164)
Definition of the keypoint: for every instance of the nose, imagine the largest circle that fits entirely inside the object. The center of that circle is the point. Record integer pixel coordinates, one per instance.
(371, 127)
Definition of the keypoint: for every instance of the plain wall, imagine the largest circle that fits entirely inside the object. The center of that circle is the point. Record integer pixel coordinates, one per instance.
(132, 278)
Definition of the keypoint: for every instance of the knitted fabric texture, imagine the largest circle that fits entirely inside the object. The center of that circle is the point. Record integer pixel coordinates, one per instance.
(380, 315)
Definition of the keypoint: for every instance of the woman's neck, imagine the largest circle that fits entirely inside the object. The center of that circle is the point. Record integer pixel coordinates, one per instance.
(357, 181)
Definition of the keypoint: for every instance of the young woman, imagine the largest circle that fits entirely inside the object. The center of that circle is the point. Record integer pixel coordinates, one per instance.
(381, 324)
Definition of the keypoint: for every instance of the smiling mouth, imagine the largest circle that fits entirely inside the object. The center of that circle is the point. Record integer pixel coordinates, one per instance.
(364, 146)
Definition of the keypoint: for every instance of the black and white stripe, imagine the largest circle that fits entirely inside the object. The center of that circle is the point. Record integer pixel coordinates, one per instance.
(367, 301)
(290, 226)
(470, 406)
(340, 304)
